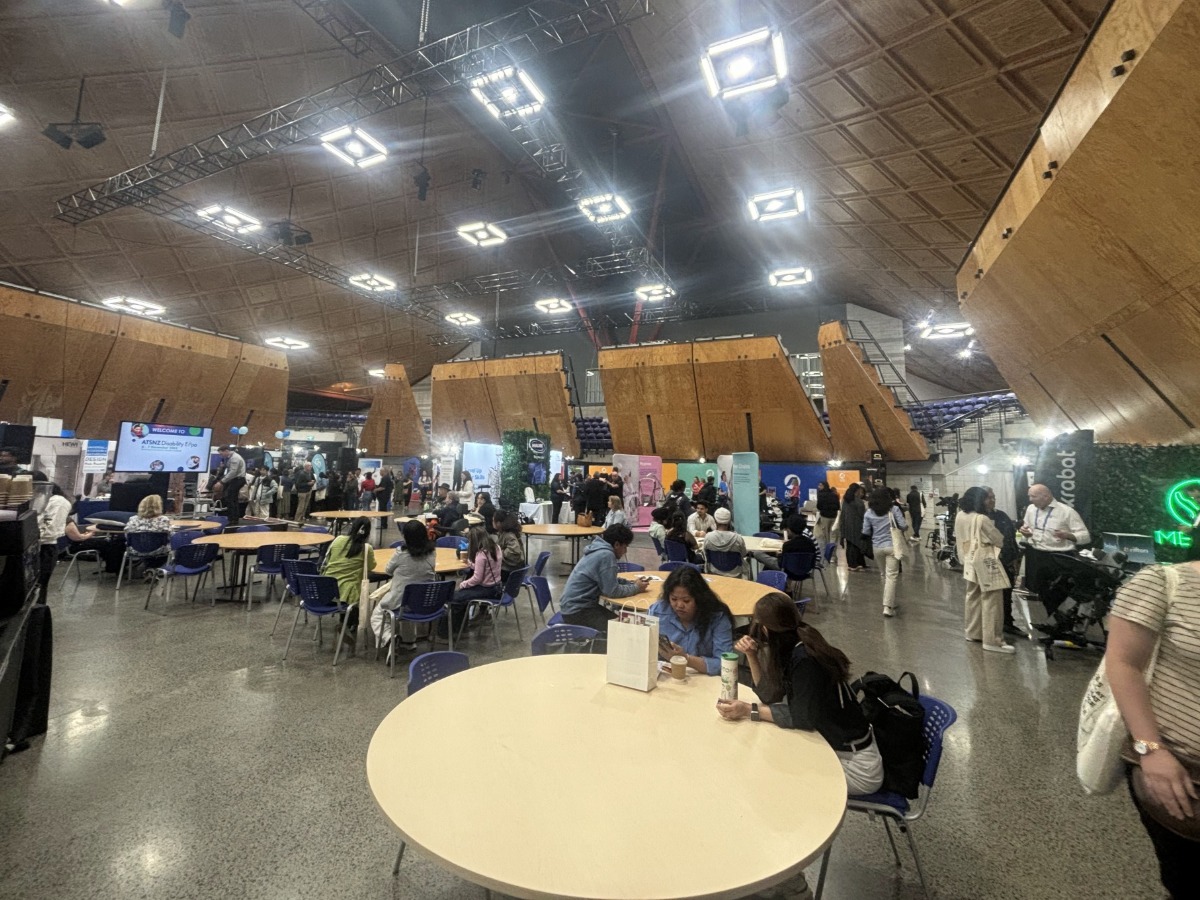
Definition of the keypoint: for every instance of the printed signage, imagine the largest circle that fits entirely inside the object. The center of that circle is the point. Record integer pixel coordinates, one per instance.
(95, 456)
(1183, 509)
(150, 447)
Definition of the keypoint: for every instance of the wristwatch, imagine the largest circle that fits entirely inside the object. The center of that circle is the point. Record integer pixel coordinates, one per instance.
(1144, 748)
(754, 717)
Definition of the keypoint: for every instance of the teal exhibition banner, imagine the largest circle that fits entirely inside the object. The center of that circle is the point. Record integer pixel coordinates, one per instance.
(744, 491)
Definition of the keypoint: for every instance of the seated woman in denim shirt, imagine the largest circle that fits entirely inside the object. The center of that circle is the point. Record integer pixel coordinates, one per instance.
(695, 621)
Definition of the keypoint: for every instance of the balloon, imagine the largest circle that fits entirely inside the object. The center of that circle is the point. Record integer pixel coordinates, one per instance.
(279, 434)
(243, 430)
(287, 434)
(233, 430)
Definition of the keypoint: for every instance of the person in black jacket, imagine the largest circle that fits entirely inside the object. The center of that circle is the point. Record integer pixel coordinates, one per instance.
(559, 493)
(1010, 555)
(595, 492)
(678, 499)
(916, 510)
(708, 493)
(829, 504)
(801, 680)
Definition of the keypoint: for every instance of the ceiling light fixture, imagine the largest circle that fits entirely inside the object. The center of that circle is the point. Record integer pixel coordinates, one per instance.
(964, 353)
(907, 347)
(755, 61)
(1020, 460)
(86, 134)
(554, 305)
(790, 277)
(6, 115)
(286, 343)
(783, 204)
(229, 219)
(482, 234)
(653, 292)
(136, 307)
(376, 373)
(933, 332)
(368, 281)
(604, 208)
(353, 145)
(463, 318)
(507, 92)
(835, 464)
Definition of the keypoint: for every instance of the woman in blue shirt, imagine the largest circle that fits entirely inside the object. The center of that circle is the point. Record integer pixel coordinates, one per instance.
(878, 522)
(693, 618)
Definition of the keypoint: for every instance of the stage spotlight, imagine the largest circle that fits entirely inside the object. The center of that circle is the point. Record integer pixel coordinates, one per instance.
(463, 318)
(755, 61)
(933, 332)
(376, 373)
(229, 219)
(290, 234)
(86, 134)
(422, 181)
(178, 17)
(6, 115)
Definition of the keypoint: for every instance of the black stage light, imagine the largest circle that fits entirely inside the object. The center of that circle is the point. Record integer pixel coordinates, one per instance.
(89, 134)
(290, 234)
(56, 134)
(422, 181)
(86, 134)
(179, 17)
(477, 176)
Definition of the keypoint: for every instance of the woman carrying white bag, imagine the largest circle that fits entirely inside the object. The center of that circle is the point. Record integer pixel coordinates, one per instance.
(979, 543)
(1152, 664)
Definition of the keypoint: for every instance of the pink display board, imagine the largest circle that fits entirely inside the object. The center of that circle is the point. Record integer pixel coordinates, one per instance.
(642, 477)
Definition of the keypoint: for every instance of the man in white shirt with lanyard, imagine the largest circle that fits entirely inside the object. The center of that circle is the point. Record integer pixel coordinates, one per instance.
(1051, 527)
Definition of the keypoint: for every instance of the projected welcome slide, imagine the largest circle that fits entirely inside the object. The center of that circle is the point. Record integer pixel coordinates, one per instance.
(143, 447)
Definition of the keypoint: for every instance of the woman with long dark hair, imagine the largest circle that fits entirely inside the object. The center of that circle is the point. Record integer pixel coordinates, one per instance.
(858, 548)
(976, 535)
(344, 561)
(801, 680)
(507, 527)
(414, 562)
(485, 581)
(695, 621)
(678, 532)
(881, 517)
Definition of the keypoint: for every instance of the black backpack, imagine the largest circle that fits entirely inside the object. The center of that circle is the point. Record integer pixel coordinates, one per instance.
(898, 719)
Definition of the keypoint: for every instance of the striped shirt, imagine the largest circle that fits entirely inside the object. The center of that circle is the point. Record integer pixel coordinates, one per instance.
(1175, 688)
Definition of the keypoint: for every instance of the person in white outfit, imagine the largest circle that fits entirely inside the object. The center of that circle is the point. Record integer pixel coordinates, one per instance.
(975, 533)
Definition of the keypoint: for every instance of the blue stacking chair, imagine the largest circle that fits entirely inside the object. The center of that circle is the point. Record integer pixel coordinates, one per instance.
(662, 551)
(434, 666)
(292, 568)
(506, 600)
(316, 551)
(769, 534)
(251, 529)
(539, 589)
(540, 565)
(421, 601)
(91, 554)
(676, 551)
(189, 561)
(450, 540)
(269, 561)
(893, 807)
(555, 619)
(724, 562)
(319, 597)
(185, 537)
(798, 566)
(143, 546)
(773, 578)
(397, 545)
(559, 632)
(675, 564)
(623, 566)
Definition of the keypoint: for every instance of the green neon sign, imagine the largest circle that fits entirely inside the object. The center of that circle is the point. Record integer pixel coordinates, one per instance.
(1180, 507)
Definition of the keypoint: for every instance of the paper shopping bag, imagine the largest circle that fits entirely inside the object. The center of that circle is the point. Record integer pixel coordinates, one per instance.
(633, 651)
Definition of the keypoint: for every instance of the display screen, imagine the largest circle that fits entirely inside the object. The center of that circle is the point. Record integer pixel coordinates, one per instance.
(146, 447)
(19, 439)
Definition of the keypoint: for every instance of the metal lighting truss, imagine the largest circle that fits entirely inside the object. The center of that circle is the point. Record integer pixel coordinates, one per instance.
(539, 27)
(341, 25)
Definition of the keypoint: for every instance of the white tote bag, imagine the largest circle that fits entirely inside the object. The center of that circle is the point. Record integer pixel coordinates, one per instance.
(633, 650)
(1102, 732)
(899, 540)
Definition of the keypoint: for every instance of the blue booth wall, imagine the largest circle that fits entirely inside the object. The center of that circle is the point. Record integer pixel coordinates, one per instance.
(785, 476)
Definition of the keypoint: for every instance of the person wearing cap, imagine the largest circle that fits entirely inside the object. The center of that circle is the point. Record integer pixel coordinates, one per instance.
(726, 540)
(700, 522)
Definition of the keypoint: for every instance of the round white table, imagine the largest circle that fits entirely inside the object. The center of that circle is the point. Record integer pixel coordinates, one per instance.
(535, 778)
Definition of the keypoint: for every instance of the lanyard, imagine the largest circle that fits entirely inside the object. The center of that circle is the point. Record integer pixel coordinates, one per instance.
(1045, 524)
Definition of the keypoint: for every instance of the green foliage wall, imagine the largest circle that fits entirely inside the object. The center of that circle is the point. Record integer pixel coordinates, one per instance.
(1130, 485)
(514, 467)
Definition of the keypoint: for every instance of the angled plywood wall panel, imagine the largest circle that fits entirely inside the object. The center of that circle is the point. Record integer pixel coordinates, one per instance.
(161, 373)
(650, 395)
(863, 413)
(31, 356)
(752, 400)
(256, 395)
(88, 340)
(394, 426)
(1083, 292)
(461, 406)
(530, 392)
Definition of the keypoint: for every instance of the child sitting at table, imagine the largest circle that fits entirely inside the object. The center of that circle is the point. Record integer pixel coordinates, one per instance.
(485, 581)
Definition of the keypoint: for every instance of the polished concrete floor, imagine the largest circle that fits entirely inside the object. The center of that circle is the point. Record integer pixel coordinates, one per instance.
(184, 760)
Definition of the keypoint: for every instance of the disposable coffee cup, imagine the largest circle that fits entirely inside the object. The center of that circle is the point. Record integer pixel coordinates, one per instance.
(679, 667)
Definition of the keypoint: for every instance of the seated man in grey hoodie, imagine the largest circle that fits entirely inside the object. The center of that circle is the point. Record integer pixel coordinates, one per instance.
(595, 576)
